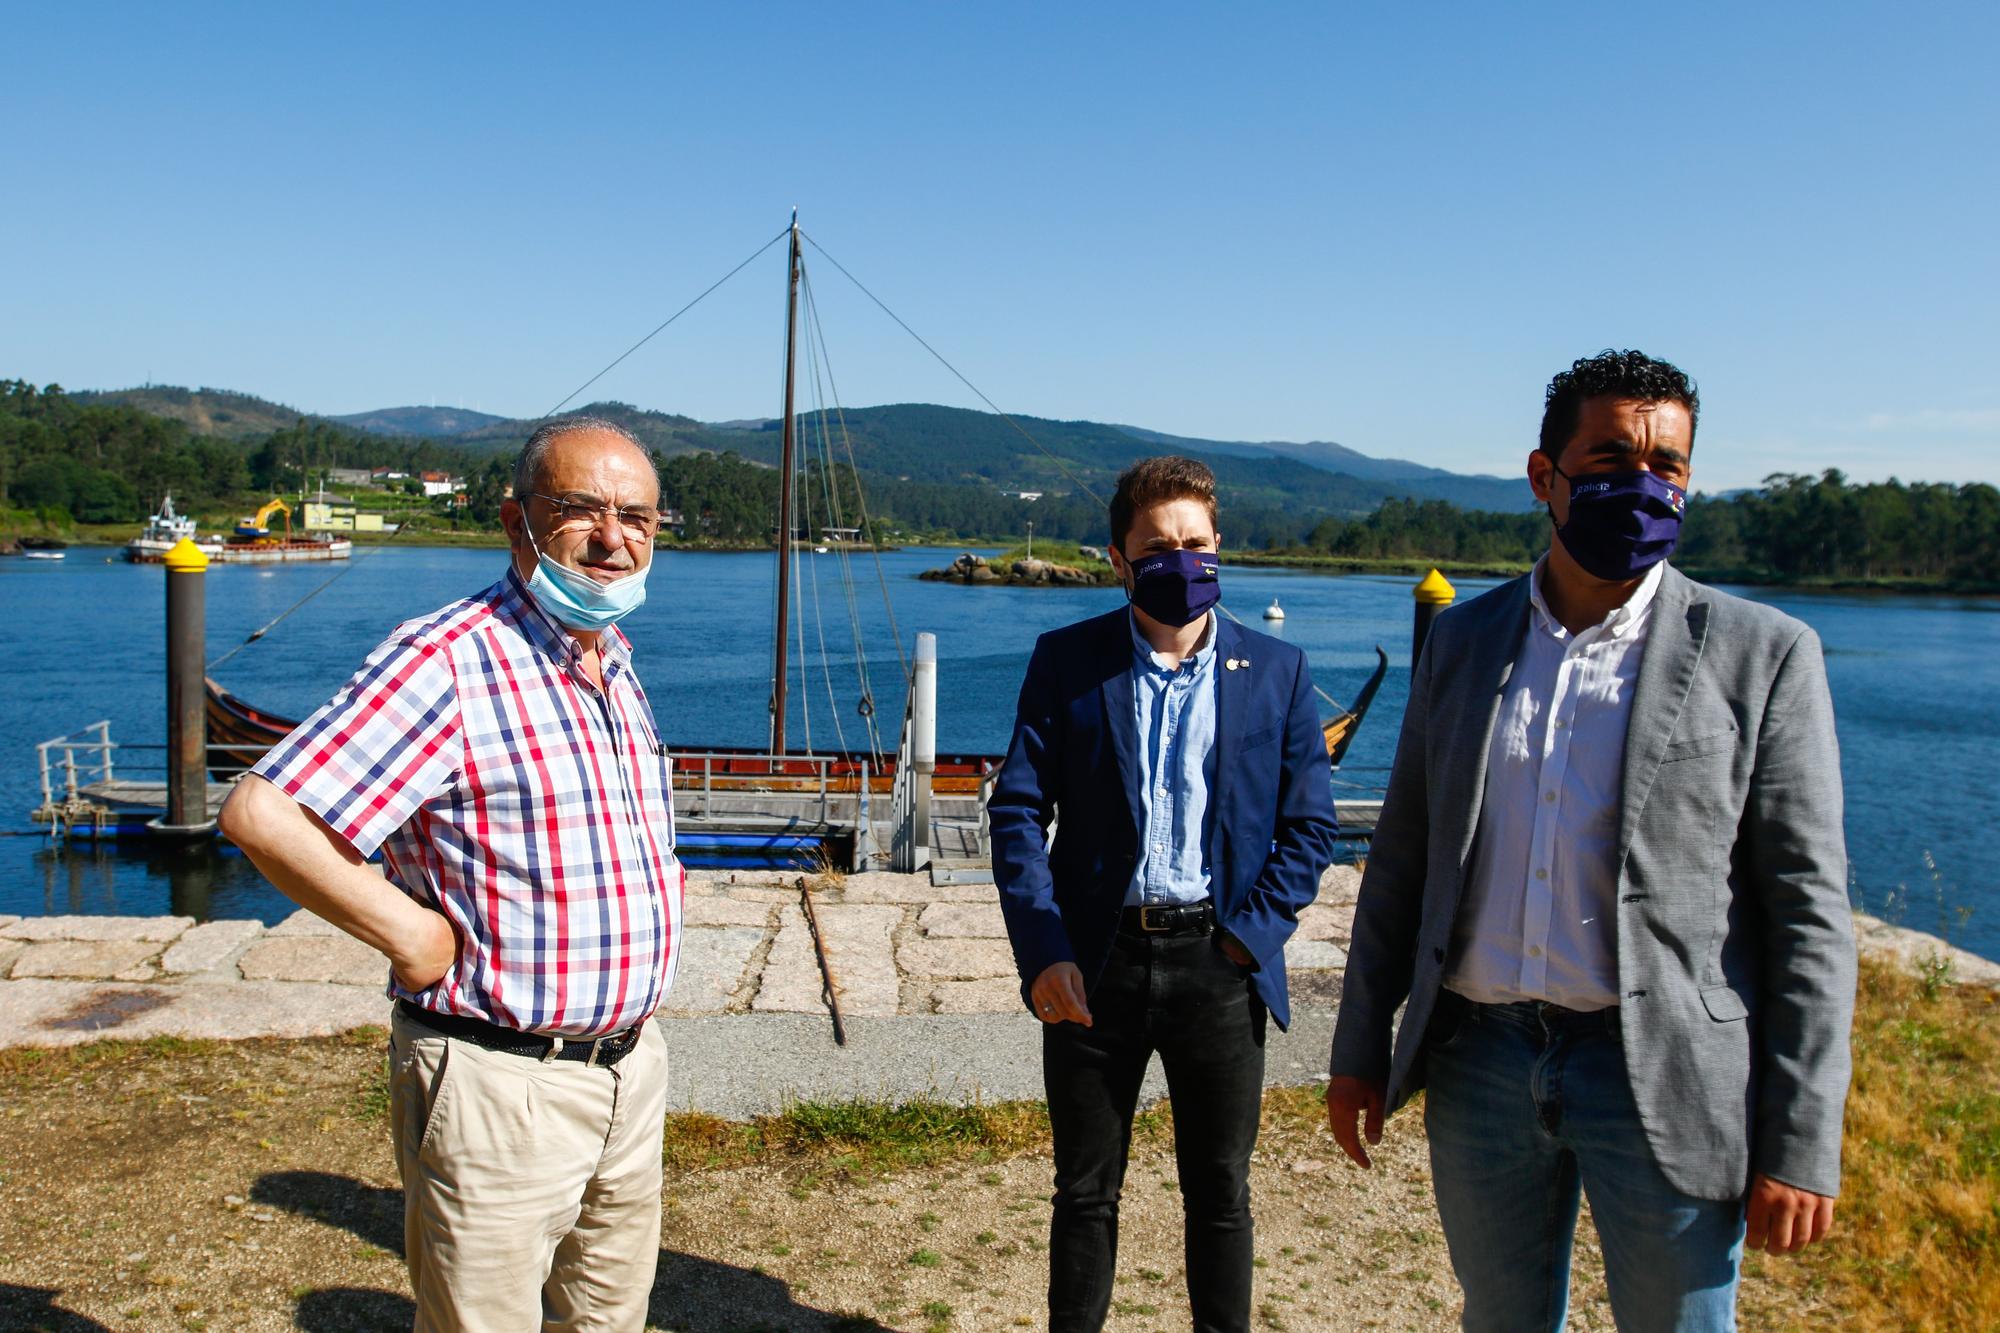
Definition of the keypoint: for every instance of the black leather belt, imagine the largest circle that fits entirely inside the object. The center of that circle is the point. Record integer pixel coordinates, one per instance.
(602, 1052)
(1168, 919)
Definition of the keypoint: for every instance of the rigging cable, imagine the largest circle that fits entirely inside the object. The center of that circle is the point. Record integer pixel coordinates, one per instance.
(860, 496)
(953, 369)
(273, 623)
(330, 580)
(812, 568)
(830, 482)
(670, 319)
(1331, 702)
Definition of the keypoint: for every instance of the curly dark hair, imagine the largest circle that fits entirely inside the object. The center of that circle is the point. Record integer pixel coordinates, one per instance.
(1613, 374)
(1155, 481)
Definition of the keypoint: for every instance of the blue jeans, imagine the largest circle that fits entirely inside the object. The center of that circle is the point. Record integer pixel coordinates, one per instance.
(1528, 1109)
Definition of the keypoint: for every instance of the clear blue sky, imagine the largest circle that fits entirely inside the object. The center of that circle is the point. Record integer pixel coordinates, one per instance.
(1244, 221)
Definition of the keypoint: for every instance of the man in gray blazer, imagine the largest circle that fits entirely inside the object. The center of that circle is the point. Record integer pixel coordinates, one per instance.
(1610, 883)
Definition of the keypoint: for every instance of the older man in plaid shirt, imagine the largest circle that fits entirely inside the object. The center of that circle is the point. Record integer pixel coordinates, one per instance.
(502, 756)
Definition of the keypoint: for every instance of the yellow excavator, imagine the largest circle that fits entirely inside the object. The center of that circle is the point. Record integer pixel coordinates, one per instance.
(257, 527)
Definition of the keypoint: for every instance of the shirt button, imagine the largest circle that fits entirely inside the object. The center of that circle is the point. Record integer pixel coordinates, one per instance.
(1561, 723)
(1541, 874)
(1534, 951)
(1548, 796)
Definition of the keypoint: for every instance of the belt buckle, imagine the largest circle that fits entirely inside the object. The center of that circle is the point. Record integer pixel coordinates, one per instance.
(1146, 920)
(598, 1049)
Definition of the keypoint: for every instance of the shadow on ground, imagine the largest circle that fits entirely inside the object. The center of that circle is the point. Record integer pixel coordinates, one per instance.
(689, 1292)
(36, 1308)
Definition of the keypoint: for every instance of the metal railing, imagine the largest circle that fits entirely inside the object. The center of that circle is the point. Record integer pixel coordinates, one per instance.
(75, 776)
(741, 774)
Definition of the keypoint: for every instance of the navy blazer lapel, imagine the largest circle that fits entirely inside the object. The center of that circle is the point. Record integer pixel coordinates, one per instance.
(1232, 693)
(1119, 716)
(1675, 637)
(1232, 709)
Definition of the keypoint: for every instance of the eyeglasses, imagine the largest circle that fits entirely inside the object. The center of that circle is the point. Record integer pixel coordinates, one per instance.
(639, 522)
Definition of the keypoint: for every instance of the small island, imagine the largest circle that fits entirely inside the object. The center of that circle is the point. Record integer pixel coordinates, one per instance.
(1071, 567)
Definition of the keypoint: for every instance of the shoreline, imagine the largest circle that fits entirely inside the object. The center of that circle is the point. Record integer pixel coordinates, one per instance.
(115, 535)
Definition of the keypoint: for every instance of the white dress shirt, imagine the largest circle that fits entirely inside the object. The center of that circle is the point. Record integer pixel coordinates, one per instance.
(1539, 918)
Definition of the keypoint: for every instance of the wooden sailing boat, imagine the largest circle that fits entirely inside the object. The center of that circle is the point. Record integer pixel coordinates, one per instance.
(239, 732)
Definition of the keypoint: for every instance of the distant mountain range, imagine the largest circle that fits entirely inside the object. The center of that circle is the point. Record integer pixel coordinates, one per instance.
(918, 442)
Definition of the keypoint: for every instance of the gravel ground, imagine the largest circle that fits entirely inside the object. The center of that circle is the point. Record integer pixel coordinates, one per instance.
(249, 1186)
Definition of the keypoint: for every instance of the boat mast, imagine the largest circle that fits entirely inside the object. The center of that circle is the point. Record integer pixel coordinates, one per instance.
(785, 499)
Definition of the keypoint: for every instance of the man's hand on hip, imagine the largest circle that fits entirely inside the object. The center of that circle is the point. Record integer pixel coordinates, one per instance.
(1348, 1098)
(1058, 995)
(423, 957)
(1783, 1219)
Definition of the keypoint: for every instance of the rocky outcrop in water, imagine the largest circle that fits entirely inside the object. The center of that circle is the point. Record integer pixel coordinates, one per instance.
(1028, 573)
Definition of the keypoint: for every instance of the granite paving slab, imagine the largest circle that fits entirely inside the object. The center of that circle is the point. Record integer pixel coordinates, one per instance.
(791, 981)
(960, 959)
(861, 955)
(712, 963)
(156, 928)
(964, 920)
(340, 959)
(98, 960)
(707, 910)
(305, 923)
(65, 1013)
(989, 995)
(209, 945)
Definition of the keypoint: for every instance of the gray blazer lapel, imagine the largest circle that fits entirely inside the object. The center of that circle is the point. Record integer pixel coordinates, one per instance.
(1495, 648)
(1674, 640)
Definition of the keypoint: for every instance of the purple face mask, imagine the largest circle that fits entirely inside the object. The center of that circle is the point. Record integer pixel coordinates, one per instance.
(1621, 524)
(1175, 587)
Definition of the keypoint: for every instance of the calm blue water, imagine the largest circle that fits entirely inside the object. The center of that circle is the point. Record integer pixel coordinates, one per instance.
(1914, 680)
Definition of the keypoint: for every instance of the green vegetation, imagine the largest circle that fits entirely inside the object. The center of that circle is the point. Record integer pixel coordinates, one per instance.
(1794, 530)
(1916, 1237)
(1060, 553)
(926, 473)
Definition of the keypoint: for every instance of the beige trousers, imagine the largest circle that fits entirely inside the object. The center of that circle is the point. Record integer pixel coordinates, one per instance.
(531, 1190)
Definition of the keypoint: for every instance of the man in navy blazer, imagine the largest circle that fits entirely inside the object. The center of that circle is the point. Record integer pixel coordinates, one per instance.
(1182, 758)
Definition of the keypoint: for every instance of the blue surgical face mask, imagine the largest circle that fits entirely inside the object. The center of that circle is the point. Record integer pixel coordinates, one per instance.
(580, 601)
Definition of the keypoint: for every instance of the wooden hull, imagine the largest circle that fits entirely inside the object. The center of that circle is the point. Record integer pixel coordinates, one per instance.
(232, 723)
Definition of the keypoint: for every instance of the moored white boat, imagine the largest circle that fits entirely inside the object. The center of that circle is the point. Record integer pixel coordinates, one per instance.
(163, 531)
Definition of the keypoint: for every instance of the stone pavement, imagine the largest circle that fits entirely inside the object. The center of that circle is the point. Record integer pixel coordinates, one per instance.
(896, 945)
(926, 984)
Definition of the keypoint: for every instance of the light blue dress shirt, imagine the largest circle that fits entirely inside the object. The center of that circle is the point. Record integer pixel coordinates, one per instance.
(1175, 709)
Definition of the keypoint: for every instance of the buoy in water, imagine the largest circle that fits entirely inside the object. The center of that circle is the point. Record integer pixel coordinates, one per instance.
(1274, 611)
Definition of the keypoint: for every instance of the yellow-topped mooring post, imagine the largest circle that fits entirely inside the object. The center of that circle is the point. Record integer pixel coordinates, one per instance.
(187, 713)
(1433, 595)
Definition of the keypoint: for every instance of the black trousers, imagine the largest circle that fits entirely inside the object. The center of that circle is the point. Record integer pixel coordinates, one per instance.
(1183, 997)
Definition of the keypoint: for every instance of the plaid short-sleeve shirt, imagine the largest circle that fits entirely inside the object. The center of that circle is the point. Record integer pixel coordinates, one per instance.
(505, 790)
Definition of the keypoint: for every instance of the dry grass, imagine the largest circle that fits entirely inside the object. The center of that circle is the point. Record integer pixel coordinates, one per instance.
(138, 1179)
(1916, 1240)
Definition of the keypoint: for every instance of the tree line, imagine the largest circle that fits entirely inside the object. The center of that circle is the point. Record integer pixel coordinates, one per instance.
(1792, 529)
(69, 459)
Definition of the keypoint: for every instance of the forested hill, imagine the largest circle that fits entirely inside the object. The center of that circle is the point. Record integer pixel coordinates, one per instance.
(220, 414)
(926, 442)
(911, 442)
